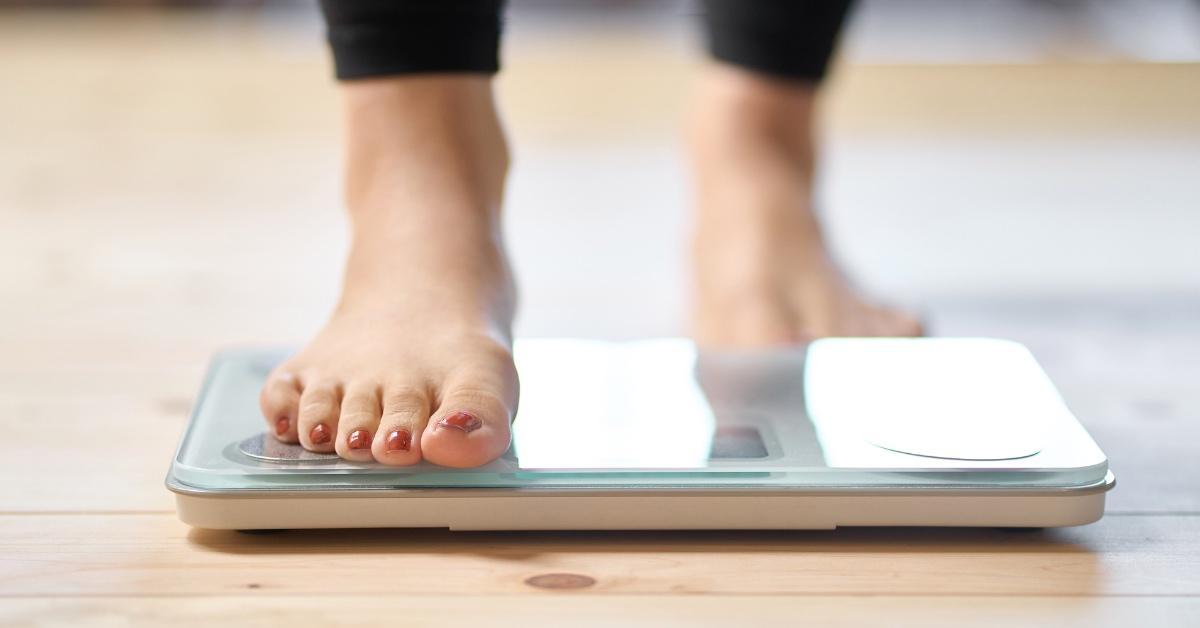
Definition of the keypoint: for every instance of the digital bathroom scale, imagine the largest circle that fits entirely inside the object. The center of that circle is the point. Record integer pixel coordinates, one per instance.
(655, 434)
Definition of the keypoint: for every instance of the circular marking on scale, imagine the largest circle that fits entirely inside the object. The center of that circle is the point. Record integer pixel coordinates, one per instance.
(269, 449)
(969, 442)
(960, 454)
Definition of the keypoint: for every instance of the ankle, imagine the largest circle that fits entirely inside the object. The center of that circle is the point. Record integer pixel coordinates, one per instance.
(424, 140)
(753, 154)
(738, 108)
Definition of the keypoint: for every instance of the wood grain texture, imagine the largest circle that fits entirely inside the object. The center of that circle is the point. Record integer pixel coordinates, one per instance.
(153, 554)
(588, 611)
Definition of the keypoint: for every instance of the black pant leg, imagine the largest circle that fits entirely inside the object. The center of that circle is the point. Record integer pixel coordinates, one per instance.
(388, 37)
(791, 39)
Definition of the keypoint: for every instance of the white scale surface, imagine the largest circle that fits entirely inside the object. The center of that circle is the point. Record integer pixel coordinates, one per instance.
(655, 435)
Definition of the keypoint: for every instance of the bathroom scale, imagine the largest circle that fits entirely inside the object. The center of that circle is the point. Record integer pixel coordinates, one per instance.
(657, 434)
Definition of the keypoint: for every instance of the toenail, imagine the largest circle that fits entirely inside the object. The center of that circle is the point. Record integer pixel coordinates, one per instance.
(359, 439)
(398, 440)
(461, 421)
(319, 434)
(281, 425)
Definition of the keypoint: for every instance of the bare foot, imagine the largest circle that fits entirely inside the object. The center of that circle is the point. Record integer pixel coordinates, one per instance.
(763, 274)
(415, 362)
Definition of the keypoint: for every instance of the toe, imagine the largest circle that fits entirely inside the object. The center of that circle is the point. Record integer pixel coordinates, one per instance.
(910, 325)
(318, 418)
(871, 322)
(897, 323)
(405, 414)
(472, 425)
(280, 400)
(358, 422)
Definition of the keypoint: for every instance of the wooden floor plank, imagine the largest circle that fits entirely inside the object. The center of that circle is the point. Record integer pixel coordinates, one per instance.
(115, 457)
(585, 611)
(156, 555)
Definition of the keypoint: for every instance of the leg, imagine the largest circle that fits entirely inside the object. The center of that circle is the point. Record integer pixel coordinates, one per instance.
(763, 273)
(415, 360)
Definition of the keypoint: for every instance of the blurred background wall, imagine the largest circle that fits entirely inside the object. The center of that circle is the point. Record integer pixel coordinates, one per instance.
(166, 155)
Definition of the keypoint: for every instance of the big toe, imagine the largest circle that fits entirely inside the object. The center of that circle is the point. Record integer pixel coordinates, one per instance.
(473, 422)
(890, 322)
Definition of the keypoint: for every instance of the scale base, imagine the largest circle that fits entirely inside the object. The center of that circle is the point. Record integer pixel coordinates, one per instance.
(659, 435)
(682, 510)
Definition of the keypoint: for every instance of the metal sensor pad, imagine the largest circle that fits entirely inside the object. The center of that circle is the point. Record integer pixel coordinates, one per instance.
(268, 449)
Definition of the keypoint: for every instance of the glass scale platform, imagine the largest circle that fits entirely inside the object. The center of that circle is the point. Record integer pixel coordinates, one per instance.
(656, 434)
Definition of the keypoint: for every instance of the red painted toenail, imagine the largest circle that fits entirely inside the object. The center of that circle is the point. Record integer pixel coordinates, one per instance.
(319, 434)
(359, 439)
(281, 425)
(464, 421)
(398, 440)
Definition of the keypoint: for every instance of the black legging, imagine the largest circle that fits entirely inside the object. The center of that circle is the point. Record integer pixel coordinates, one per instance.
(790, 39)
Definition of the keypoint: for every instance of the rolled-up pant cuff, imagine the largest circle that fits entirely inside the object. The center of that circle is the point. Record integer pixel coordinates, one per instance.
(387, 37)
(790, 39)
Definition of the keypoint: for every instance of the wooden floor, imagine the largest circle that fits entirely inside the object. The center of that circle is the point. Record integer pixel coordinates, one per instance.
(167, 188)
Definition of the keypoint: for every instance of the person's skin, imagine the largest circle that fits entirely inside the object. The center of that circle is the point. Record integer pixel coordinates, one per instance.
(415, 362)
(762, 273)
